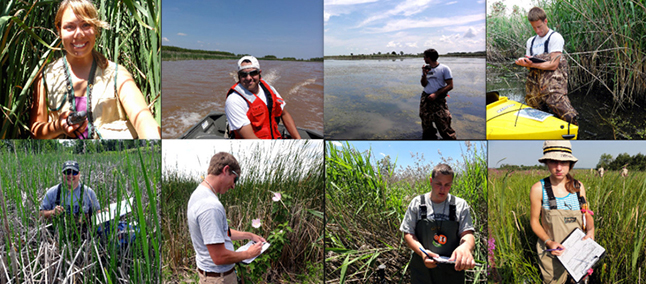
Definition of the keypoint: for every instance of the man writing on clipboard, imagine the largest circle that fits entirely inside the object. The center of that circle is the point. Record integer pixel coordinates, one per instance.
(439, 224)
(546, 86)
(208, 226)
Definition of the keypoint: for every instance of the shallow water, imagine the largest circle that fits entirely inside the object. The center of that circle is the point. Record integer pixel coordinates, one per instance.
(194, 88)
(596, 121)
(379, 99)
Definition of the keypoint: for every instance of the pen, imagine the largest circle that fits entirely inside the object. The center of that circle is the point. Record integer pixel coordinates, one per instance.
(424, 251)
(554, 249)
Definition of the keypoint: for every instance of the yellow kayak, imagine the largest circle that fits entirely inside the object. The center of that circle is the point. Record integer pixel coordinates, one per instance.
(510, 120)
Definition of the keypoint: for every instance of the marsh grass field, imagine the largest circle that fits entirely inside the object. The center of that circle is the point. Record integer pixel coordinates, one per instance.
(365, 202)
(619, 206)
(33, 250)
(293, 225)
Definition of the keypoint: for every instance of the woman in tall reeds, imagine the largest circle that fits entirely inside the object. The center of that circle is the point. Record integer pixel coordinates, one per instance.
(85, 80)
(557, 203)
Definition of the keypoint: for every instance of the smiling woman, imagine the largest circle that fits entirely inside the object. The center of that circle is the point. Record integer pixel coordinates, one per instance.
(84, 80)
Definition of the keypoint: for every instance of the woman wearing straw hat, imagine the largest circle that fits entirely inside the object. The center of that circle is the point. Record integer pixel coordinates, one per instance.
(557, 203)
(84, 80)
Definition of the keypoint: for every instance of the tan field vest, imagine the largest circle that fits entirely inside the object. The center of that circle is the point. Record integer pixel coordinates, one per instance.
(109, 116)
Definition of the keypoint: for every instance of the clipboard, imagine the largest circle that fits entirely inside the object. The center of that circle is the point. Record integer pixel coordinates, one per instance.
(579, 256)
(536, 60)
(265, 246)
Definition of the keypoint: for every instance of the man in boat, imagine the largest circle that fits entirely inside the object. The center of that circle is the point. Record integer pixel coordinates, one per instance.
(439, 224)
(253, 107)
(546, 86)
(208, 226)
(72, 197)
(437, 82)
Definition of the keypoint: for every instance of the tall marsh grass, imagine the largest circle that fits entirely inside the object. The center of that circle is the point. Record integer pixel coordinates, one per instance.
(604, 43)
(28, 41)
(292, 168)
(619, 206)
(364, 208)
(35, 250)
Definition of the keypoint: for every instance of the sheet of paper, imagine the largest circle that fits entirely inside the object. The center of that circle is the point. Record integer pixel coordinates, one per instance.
(580, 255)
(112, 211)
(265, 246)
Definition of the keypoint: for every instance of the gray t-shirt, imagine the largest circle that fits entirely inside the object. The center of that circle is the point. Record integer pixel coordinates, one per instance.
(462, 213)
(89, 199)
(437, 78)
(207, 224)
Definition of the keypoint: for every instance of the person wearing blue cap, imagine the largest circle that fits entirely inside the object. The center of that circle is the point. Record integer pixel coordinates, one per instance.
(65, 197)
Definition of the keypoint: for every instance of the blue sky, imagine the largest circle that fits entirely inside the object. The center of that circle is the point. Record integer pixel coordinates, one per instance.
(411, 26)
(284, 28)
(401, 150)
(588, 152)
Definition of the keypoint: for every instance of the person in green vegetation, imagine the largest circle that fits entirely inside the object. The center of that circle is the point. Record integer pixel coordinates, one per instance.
(438, 224)
(546, 85)
(71, 197)
(208, 226)
(558, 206)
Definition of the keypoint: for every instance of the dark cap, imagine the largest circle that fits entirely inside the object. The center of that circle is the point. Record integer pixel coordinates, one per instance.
(71, 165)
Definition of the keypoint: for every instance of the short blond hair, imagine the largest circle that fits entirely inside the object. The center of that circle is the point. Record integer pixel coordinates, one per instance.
(536, 14)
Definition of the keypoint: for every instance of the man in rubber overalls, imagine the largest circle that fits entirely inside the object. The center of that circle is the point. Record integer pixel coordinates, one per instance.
(437, 81)
(253, 107)
(546, 86)
(558, 206)
(441, 224)
(66, 198)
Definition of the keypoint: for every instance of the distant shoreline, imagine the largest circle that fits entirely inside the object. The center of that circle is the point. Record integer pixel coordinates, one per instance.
(173, 53)
(478, 54)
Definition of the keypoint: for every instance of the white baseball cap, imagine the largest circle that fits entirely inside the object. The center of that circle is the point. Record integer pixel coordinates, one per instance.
(254, 63)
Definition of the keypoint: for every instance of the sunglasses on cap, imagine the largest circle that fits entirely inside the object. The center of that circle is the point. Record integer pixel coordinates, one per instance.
(244, 74)
(235, 180)
(72, 172)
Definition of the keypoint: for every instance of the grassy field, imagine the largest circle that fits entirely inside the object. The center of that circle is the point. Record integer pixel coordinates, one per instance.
(365, 202)
(32, 250)
(28, 41)
(293, 225)
(603, 42)
(619, 205)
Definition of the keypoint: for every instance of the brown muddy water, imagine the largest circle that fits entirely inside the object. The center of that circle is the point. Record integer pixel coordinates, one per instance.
(379, 99)
(595, 107)
(191, 89)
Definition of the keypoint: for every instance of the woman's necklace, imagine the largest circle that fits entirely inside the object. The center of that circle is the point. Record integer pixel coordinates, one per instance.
(71, 97)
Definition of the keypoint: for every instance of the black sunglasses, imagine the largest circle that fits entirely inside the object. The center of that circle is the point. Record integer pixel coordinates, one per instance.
(235, 180)
(73, 172)
(244, 74)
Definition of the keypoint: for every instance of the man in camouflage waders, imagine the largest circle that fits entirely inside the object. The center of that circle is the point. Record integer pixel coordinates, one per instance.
(437, 82)
(546, 86)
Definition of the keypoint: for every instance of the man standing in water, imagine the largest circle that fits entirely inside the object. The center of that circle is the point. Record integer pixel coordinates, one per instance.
(255, 107)
(439, 224)
(208, 226)
(437, 82)
(546, 86)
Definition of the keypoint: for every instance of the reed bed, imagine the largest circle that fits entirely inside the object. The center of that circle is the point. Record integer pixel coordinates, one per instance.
(28, 41)
(603, 42)
(619, 207)
(294, 226)
(36, 250)
(366, 200)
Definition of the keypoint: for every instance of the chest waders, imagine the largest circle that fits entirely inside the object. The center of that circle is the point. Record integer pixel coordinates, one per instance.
(72, 222)
(440, 237)
(558, 224)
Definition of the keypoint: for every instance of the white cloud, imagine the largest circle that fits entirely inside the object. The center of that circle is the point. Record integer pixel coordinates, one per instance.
(382, 154)
(404, 24)
(471, 32)
(165, 39)
(451, 3)
(411, 44)
(347, 2)
(181, 34)
(393, 44)
(337, 143)
(407, 8)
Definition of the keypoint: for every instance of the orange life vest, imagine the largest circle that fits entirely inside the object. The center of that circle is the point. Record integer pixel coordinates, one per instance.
(263, 117)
